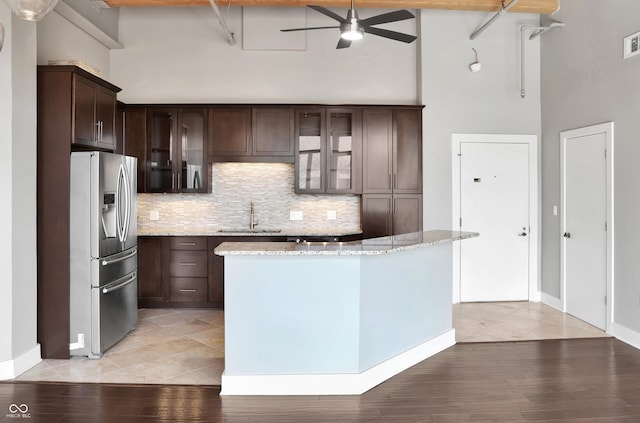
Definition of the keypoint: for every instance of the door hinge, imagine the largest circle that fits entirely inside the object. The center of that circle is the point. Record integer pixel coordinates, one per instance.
(605, 153)
(461, 222)
(605, 300)
(459, 154)
(605, 227)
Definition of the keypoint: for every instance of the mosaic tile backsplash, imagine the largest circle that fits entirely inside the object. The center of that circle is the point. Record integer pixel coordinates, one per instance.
(269, 185)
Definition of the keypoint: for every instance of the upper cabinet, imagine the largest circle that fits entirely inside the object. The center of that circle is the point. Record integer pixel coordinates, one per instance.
(250, 134)
(90, 101)
(392, 151)
(175, 156)
(229, 133)
(327, 151)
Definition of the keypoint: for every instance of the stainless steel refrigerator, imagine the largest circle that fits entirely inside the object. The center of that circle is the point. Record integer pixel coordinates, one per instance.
(104, 261)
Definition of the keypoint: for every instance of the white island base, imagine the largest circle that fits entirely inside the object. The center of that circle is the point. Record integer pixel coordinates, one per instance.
(337, 318)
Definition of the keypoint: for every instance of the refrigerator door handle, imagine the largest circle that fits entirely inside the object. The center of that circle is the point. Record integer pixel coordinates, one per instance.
(107, 262)
(120, 283)
(127, 196)
(118, 204)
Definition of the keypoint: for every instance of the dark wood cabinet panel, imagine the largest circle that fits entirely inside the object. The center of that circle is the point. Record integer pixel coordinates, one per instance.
(377, 219)
(84, 123)
(389, 214)
(407, 151)
(273, 132)
(392, 169)
(150, 281)
(377, 161)
(105, 117)
(407, 213)
(188, 290)
(188, 264)
(229, 132)
(94, 114)
(135, 140)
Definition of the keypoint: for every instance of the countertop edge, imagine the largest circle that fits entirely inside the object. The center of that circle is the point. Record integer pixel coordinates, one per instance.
(373, 246)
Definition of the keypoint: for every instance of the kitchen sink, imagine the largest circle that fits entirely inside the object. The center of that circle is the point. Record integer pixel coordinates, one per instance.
(249, 231)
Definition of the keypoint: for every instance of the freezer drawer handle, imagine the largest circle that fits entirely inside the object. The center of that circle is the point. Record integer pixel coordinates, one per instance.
(120, 283)
(119, 259)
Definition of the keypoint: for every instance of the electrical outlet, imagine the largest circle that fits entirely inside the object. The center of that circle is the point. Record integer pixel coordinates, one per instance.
(295, 215)
(154, 215)
(332, 215)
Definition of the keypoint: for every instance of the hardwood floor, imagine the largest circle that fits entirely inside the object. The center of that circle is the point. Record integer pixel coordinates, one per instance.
(576, 380)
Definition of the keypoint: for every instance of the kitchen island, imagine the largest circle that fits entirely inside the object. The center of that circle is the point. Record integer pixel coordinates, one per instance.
(334, 318)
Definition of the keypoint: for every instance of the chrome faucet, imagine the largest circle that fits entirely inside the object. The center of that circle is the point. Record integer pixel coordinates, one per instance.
(252, 221)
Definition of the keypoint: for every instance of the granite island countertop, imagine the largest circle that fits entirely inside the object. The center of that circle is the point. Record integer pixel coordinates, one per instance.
(372, 246)
(217, 231)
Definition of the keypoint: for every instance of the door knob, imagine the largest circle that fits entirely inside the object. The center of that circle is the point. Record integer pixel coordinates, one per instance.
(567, 235)
(524, 232)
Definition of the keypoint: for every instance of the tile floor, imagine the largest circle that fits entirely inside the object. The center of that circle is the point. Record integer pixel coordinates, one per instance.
(169, 346)
(517, 321)
(185, 346)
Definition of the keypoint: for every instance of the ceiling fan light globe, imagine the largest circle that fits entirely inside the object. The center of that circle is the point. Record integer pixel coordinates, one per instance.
(352, 35)
(31, 10)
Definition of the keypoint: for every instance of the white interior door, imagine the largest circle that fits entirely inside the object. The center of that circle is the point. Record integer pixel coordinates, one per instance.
(494, 201)
(585, 225)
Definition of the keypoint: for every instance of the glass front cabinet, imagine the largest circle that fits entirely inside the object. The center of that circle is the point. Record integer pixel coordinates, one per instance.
(177, 155)
(327, 150)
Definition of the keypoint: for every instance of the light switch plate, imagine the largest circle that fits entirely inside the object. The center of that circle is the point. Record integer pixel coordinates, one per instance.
(295, 215)
(631, 45)
(332, 215)
(154, 215)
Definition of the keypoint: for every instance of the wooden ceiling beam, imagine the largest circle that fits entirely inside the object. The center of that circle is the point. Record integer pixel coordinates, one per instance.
(523, 6)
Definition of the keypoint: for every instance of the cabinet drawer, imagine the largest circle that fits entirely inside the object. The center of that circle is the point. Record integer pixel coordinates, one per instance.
(188, 264)
(188, 290)
(188, 243)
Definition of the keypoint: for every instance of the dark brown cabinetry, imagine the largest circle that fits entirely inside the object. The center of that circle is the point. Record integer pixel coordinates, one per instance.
(134, 141)
(246, 134)
(272, 133)
(188, 270)
(327, 151)
(175, 153)
(94, 113)
(70, 103)
(392, 171)
(151, 290)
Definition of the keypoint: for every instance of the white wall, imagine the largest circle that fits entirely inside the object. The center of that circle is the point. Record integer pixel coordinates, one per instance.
(459, 101)
(585, 82)
(18, 304)
(59, 39)
(181, 55)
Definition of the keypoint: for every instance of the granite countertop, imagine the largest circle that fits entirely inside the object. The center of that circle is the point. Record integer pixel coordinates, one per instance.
(372, 246)
(209, 231)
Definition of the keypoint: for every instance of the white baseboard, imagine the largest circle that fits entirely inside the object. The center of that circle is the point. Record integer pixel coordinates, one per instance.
(13, 368)
(626, 335)
(335, 384)
(551, 301)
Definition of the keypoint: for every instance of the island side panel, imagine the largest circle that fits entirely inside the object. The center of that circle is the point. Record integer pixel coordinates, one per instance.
(291, 314)
(406, 300)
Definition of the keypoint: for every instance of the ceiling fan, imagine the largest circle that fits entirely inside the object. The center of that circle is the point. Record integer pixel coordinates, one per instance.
(352, 28)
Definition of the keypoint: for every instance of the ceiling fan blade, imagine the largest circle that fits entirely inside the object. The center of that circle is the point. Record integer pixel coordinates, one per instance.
(328, 13)
(343, 43)
(398, 15)
(398, 36)
(307, 29)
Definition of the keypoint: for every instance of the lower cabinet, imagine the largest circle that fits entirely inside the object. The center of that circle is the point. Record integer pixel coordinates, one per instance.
(183, 271)
(391, 214)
